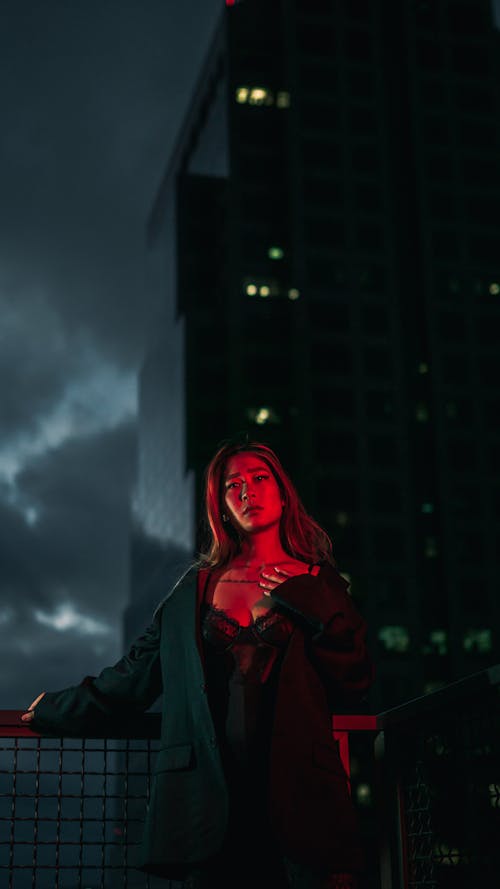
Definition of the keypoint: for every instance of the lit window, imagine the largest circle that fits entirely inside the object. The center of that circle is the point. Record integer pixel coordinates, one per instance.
(427, 508)
(260, 96)
(262, 415)
(293, 293)
(364, 794)
(422, 412)
(494, 793)
(437, 642)
(261, 286)
(395, 638)
(477, 641)
(430, 548)
(275, 253)
(423, 368)
(283, 99)
(494, 288)
(242, 94)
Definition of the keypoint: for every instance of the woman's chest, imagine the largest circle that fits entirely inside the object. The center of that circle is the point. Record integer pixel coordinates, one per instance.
(242, 591)
(242, 600)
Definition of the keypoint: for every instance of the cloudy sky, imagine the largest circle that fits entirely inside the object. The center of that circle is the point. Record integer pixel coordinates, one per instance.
(91, 97)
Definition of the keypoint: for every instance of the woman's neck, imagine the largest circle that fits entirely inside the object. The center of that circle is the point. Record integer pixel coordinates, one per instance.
(261, 550)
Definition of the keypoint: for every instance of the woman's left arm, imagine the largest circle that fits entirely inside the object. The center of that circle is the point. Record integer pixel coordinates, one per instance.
(337, 631)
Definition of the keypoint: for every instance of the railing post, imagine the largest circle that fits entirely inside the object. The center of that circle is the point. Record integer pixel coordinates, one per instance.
(393, 858)
(342, 739)
(382, 804)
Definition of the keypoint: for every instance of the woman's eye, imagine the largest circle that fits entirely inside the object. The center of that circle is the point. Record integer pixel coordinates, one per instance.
(259, 477)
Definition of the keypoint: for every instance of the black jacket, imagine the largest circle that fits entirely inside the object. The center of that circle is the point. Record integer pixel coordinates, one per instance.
(325, 667)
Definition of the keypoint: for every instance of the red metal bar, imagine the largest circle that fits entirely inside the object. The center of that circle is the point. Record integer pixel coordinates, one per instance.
(12, 727)
(350, 722)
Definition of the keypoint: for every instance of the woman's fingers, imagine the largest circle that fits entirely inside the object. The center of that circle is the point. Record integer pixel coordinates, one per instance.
(35, 702)
(273, 578)
(28, 716)
(268, 581)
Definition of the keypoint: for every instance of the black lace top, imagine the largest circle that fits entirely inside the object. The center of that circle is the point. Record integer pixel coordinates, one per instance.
(223, 632)
(241, 666)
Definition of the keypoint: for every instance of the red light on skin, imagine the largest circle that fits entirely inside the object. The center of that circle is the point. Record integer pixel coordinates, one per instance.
(230, 2)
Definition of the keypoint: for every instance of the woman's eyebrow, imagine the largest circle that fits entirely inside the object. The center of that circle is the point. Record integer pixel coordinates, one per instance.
(254, 469)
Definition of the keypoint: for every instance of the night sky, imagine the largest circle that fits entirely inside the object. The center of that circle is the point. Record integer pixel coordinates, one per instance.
(92, 96)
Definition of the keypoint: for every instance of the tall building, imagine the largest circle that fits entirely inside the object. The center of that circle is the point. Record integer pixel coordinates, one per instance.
(330, 222)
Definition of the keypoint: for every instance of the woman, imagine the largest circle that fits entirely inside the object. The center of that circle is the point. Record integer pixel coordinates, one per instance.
(252, 650)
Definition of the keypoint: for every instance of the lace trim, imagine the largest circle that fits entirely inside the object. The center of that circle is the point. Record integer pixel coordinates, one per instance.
(233, 632)
(263, 620)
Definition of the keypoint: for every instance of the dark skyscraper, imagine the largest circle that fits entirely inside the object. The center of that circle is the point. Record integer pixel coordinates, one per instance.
(327, 240)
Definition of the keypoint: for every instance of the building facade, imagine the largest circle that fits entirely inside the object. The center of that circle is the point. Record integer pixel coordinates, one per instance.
(330, 222)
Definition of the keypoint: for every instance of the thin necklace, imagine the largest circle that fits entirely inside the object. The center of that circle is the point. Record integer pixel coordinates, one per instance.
(254, 579)
(232, 580)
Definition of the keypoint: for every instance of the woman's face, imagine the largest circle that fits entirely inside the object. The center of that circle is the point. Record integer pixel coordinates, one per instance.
(252, 497)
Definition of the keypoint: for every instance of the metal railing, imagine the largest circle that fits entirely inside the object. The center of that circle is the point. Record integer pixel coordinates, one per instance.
(72, 809)
(438, 795)
(426, 776)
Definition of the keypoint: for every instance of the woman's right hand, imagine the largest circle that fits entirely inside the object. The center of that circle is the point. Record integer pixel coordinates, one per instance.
(28, 716)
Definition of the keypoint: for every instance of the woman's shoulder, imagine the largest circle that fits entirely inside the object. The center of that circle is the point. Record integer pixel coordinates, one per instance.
(188, 574)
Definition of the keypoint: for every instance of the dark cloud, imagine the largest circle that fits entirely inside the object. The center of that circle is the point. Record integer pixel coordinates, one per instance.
(83, 491)
(92, 96)
(74, 555)
(38, 357)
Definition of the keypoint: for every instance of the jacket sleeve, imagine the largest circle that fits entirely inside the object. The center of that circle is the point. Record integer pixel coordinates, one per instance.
(131, 685)
(336, 637)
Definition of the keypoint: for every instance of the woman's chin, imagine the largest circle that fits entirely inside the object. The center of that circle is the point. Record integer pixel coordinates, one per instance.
(255, 524)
